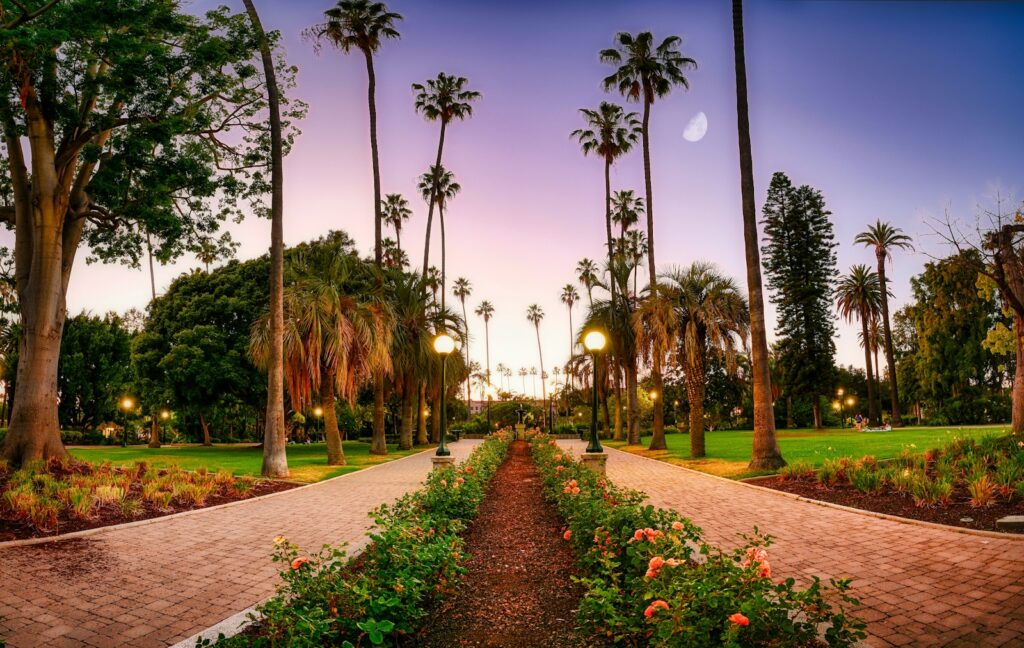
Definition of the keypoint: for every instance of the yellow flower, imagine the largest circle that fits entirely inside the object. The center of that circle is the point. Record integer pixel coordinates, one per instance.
(279, 540)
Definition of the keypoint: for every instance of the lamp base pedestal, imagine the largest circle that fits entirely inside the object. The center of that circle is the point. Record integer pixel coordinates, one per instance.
(520, 431)
(595, 461)
(440, 463)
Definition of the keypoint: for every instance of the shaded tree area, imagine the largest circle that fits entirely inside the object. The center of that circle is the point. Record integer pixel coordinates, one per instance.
(94, 371)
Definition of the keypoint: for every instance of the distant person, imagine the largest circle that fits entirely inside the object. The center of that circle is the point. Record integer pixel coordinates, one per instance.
(859, 419)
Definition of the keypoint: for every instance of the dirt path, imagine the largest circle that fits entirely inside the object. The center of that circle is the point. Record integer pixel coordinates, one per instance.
(518, 590)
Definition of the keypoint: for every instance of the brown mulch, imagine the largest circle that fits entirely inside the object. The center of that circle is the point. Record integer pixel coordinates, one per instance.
(12, 529)
(518, 590)
(958, 513)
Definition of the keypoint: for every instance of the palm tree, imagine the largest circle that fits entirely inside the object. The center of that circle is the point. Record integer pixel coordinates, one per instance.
(569, 298)
(395, 212)
(710, 318)
(415, 323)
(363, 25)
(634, 248)
(337, 335)
(438, 186)
(627, 208)
(647, 72)
(610, 133)
(586, 274)
(858, 295)
(523, 373)
(486, 311)
(533, 380)
(766, 454)
(885, 238)
(275, 435)
(500, 370)
(433, 281)
(394, 256)
(462, 289)
(441, 99)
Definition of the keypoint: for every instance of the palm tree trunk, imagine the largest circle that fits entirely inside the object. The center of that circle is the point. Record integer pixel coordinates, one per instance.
(469, 370)
(543, 384)
(430, 206)
(878, 381)
(378, 444)
(695, 393)
(335, 450)
(487, 355)
(632, 406)
(766, 454)
(421, 428)
(890, 356)
(872, 412)
(608, 229)
(275, 435)
(371, 99)
(618, 402)
(154, 432)
(408, 401)
(444, 289)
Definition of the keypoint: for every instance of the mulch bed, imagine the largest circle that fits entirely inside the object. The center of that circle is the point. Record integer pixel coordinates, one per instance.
(518, 590)
(110, 515)
(958, 513)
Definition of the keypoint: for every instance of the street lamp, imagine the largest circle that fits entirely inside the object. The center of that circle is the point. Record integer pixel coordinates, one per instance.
(318, 412)
(594, 341)
(444, 344)
(165, 414)
(127, 403)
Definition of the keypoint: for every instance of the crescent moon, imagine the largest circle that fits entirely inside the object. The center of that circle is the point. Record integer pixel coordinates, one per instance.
(697, 128)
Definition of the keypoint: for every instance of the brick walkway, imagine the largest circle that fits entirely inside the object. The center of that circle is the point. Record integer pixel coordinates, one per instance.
(919, 586)
(154, 584)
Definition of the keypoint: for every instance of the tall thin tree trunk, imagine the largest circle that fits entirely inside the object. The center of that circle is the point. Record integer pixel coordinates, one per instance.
(790, 423)
(154, 432)
(543, 383)
(878, 382)
(149, 251)
(872, 412)
(469, 369)
(632, 406)
(487, 349)
(405, 436)
(766, 454)
(618, 404)
(275, 439)
(335, 449)
(433, 199)
(890, 357)
(608, 230)
(816, 409)
(658, 431)
(421, 428)
(1018, 379)
(206, 430)
(378, 444)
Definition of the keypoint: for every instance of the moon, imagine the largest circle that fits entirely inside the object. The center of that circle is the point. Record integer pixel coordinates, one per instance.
(697, 128)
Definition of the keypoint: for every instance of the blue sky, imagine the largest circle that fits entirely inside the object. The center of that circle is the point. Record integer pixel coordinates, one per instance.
(894, 110)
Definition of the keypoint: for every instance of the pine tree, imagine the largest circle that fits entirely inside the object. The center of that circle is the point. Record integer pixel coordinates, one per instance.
(800, 261)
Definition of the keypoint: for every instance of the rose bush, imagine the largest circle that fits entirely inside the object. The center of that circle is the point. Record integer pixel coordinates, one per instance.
(652, 581)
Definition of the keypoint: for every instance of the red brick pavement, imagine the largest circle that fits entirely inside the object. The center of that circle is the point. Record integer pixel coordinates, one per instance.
(154, 584)
(919, 585)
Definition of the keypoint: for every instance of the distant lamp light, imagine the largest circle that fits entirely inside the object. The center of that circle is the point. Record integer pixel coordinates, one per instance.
(318, 411)
(127, 403)
(836, 405)
(594, 341)
(164, 414)
(850, 401)
(840, 392)
(654, 395)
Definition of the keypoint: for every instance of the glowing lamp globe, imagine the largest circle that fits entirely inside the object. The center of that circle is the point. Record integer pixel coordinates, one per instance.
(444, 344)
(127, 403)
(594, 341)
(165, 415)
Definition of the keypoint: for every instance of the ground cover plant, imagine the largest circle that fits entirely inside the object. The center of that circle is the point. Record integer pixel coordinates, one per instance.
(62, 495)
(967, 482)
(382, 595)
(728, 451)
(652, 581)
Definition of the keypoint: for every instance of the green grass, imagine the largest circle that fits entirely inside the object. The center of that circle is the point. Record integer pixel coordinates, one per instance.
(308, 463)
(728, 452)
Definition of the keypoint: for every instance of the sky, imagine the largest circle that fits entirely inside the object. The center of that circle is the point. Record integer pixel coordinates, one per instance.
(894, 110)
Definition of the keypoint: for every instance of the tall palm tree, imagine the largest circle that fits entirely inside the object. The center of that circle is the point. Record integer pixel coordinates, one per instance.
(533, 380)
(500, 370)
(610, 133)
(859, 296)
(644, 73)
(710, 318)
(586, 274)
(569, 298)
(415, 323)
(766, 454)
(337, 335)
(395, 212)
(462, 289)
(438, 186)
(634, 248)
(627, 208)
(523, 373)
(275, 435)
(486, 311)
(363, 25)
(442, 99)
(885, 238)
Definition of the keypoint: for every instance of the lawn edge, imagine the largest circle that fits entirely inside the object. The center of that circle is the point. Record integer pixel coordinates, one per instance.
(1013, 537)
(124, 525)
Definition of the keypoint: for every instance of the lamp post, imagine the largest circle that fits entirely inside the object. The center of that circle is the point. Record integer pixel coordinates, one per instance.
(444, 344)
(840, 408)
(318, 412)
(594, 341)
(165, 414)
(127, 403)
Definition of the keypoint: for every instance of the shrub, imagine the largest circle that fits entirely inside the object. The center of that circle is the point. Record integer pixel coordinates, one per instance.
(131, 507)
(108, 494)
(243, 485)
(929, 492)
(798, 470)
(866, 480)
(902, 479)
(982, 490)
(833, 471)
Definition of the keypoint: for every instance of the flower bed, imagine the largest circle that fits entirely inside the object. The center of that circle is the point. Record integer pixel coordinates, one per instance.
(967, 483)
(383, 594)
(651, 581)
(63, 495)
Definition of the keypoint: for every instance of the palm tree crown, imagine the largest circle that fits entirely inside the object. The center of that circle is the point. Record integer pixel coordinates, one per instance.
(858, 294)
(440, 184)
(884, 238)
(569, 295)
(586, 274)
(646, 72)
(610, 133)
(535, 314)
(485, 310)
(627, 208)
(359, 24)
(395, 211)
(445, 98)
(462, 289)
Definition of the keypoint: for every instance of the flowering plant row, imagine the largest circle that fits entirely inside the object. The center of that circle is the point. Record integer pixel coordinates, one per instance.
(650, 580)
(328, 598)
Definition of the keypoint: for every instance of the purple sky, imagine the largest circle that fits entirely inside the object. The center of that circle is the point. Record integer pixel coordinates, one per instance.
(893, 110)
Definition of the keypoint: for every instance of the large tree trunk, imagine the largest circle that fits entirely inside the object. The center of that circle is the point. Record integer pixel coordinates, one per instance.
(378, 444)
(618, 405)
(766, 454)
(408, 401)
(421, 413)
(632, 406)
(790, 423)
(872, 411)
(335, 450)
(890, 357)
(34, 432)
(206, 430)
(695, 393)
(816, 408)
(275, 438)
(608, 232)
(1018, 378)
(154, 432)
(430, 205)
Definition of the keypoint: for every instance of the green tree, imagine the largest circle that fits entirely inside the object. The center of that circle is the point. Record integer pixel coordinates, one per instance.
(94, 371)
(117, 152)
(569, 297)
(885, 238)
(396, 211)
(438, 186)
(766, 454)
(858, 296)
(462, 289)
(800, 260)
(486, 311)
(441, 99)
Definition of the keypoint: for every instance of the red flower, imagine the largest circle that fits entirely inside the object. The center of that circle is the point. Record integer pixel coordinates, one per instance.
(739, 619)
(567, 534)
(655, 563)
(299, 562)
(649, 612)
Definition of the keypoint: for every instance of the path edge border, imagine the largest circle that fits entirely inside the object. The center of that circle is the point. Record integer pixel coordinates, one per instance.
(1012, 537)
(9, 544)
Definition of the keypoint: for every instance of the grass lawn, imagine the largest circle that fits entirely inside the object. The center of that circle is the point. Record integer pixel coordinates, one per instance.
(308, 463)
(728, 452)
